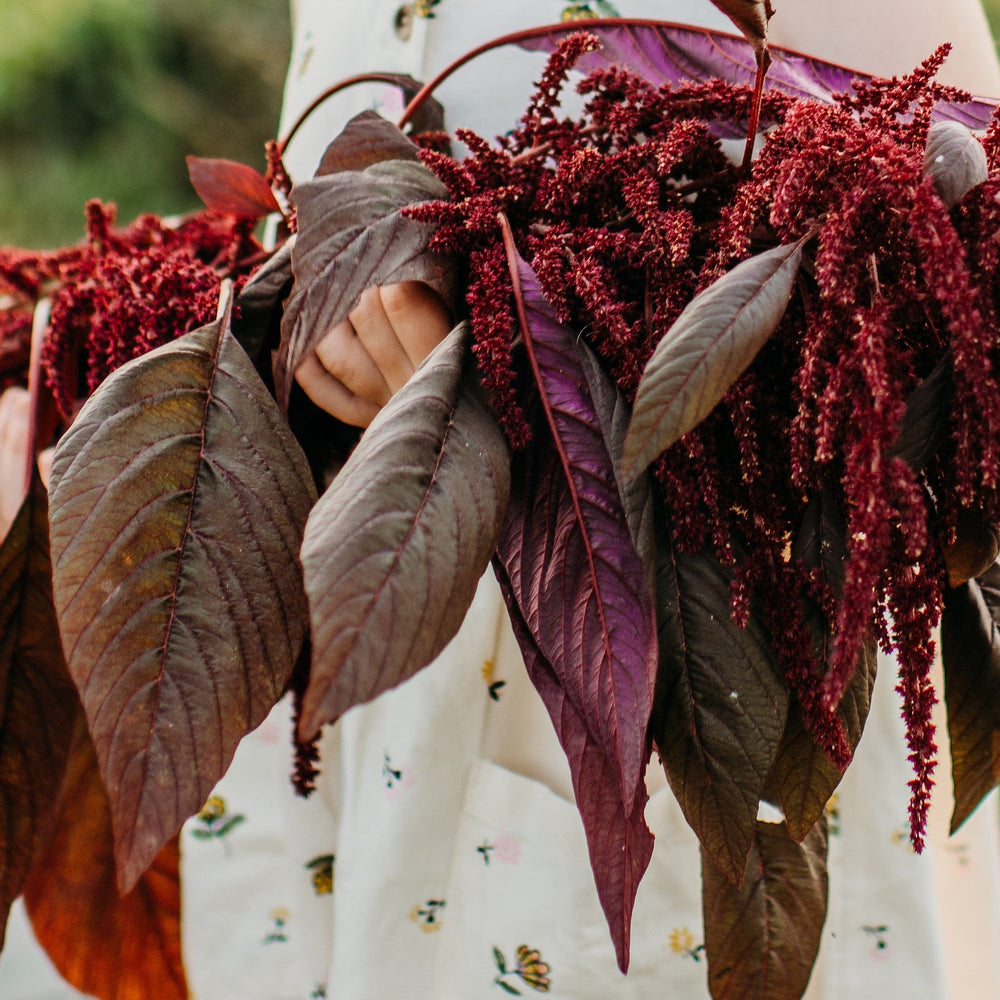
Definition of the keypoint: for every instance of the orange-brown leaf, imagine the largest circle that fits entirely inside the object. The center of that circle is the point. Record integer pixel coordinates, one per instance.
(231, 188)
(38, 701)
(112, 947)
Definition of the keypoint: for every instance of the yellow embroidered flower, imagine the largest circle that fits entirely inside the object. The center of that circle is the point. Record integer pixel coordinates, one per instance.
(322, 874)
(681, 941)
(531, 969)
(427, 916)
(486, 671)
(214, 809)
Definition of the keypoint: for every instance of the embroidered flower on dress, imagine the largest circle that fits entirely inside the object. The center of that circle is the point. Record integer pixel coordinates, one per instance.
(322, 873)
(427, 916)
(214, 821)
(878, 933)
(530, 970)
(504, 849)
(682, 943)
(395, 778)
(277, 934)
(832, 812)
(494, 687)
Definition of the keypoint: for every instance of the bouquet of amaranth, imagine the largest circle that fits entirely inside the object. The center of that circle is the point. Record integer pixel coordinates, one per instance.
(721, 428)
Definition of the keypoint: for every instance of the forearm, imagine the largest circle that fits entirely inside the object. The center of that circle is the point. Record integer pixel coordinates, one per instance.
(892, 36)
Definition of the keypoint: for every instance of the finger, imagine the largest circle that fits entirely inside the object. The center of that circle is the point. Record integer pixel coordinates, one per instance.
(45, 465)
(334, 397)
(343, 355)
(379, 339)
(418, 315)
(15, 419)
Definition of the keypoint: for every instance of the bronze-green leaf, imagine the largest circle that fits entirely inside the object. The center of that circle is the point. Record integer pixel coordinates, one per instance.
(38, 702)
(720, 707)
(395, 547)
(761, 939)
(803, 775)
(970, 649)
(353, 235)
(179, 498)
(709, 346)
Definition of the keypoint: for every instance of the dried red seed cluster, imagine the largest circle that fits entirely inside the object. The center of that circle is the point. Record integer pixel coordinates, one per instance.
(122, 292)
(627, 211)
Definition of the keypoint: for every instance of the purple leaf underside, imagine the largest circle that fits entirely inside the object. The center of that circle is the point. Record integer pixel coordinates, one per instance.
(179, 497)
(352, 236)
(570, 559)
(709, 346)
(720, 707)
(664, 52)
(395, 547)
(618, 840)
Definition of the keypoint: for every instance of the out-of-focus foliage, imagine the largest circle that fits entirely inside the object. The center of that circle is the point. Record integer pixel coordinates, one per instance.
(104, 98)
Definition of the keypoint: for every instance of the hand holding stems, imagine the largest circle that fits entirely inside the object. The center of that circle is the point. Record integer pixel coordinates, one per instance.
(367, 357)
(15, 430)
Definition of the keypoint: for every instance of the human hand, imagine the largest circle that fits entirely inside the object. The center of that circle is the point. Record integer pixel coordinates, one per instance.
(15, 431)
(363, 360)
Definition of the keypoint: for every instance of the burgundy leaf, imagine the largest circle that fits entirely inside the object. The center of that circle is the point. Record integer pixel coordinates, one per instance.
(709, 346)
(366, 139)
(720, 707)
(568, 554)
(38, 702)
(106, 945)
(761, 939)
(178, 501)
(618, 840)
(970, 649)
(395, 547)
(955, 160)
(353, 235)
(662, 52)
(231, 188)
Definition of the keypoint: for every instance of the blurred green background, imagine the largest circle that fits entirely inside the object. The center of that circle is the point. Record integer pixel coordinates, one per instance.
(104, 98)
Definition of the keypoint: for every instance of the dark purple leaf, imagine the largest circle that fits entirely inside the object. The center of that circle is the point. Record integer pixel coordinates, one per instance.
(568, 554)
(231, 188)
(706, 350)
(955, 160)
(178, 501)
(353, 235)
(259, 303)
(366, 139)
(618, 839)
(395, 547)
(970, 649)
(663, 52)
(720, 707)
(925, 423)
(762, 938)
(38, 701)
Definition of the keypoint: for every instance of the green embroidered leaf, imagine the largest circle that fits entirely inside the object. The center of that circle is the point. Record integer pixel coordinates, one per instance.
(761, 939)
(709, 346)
(970, 650)
(178, 501)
